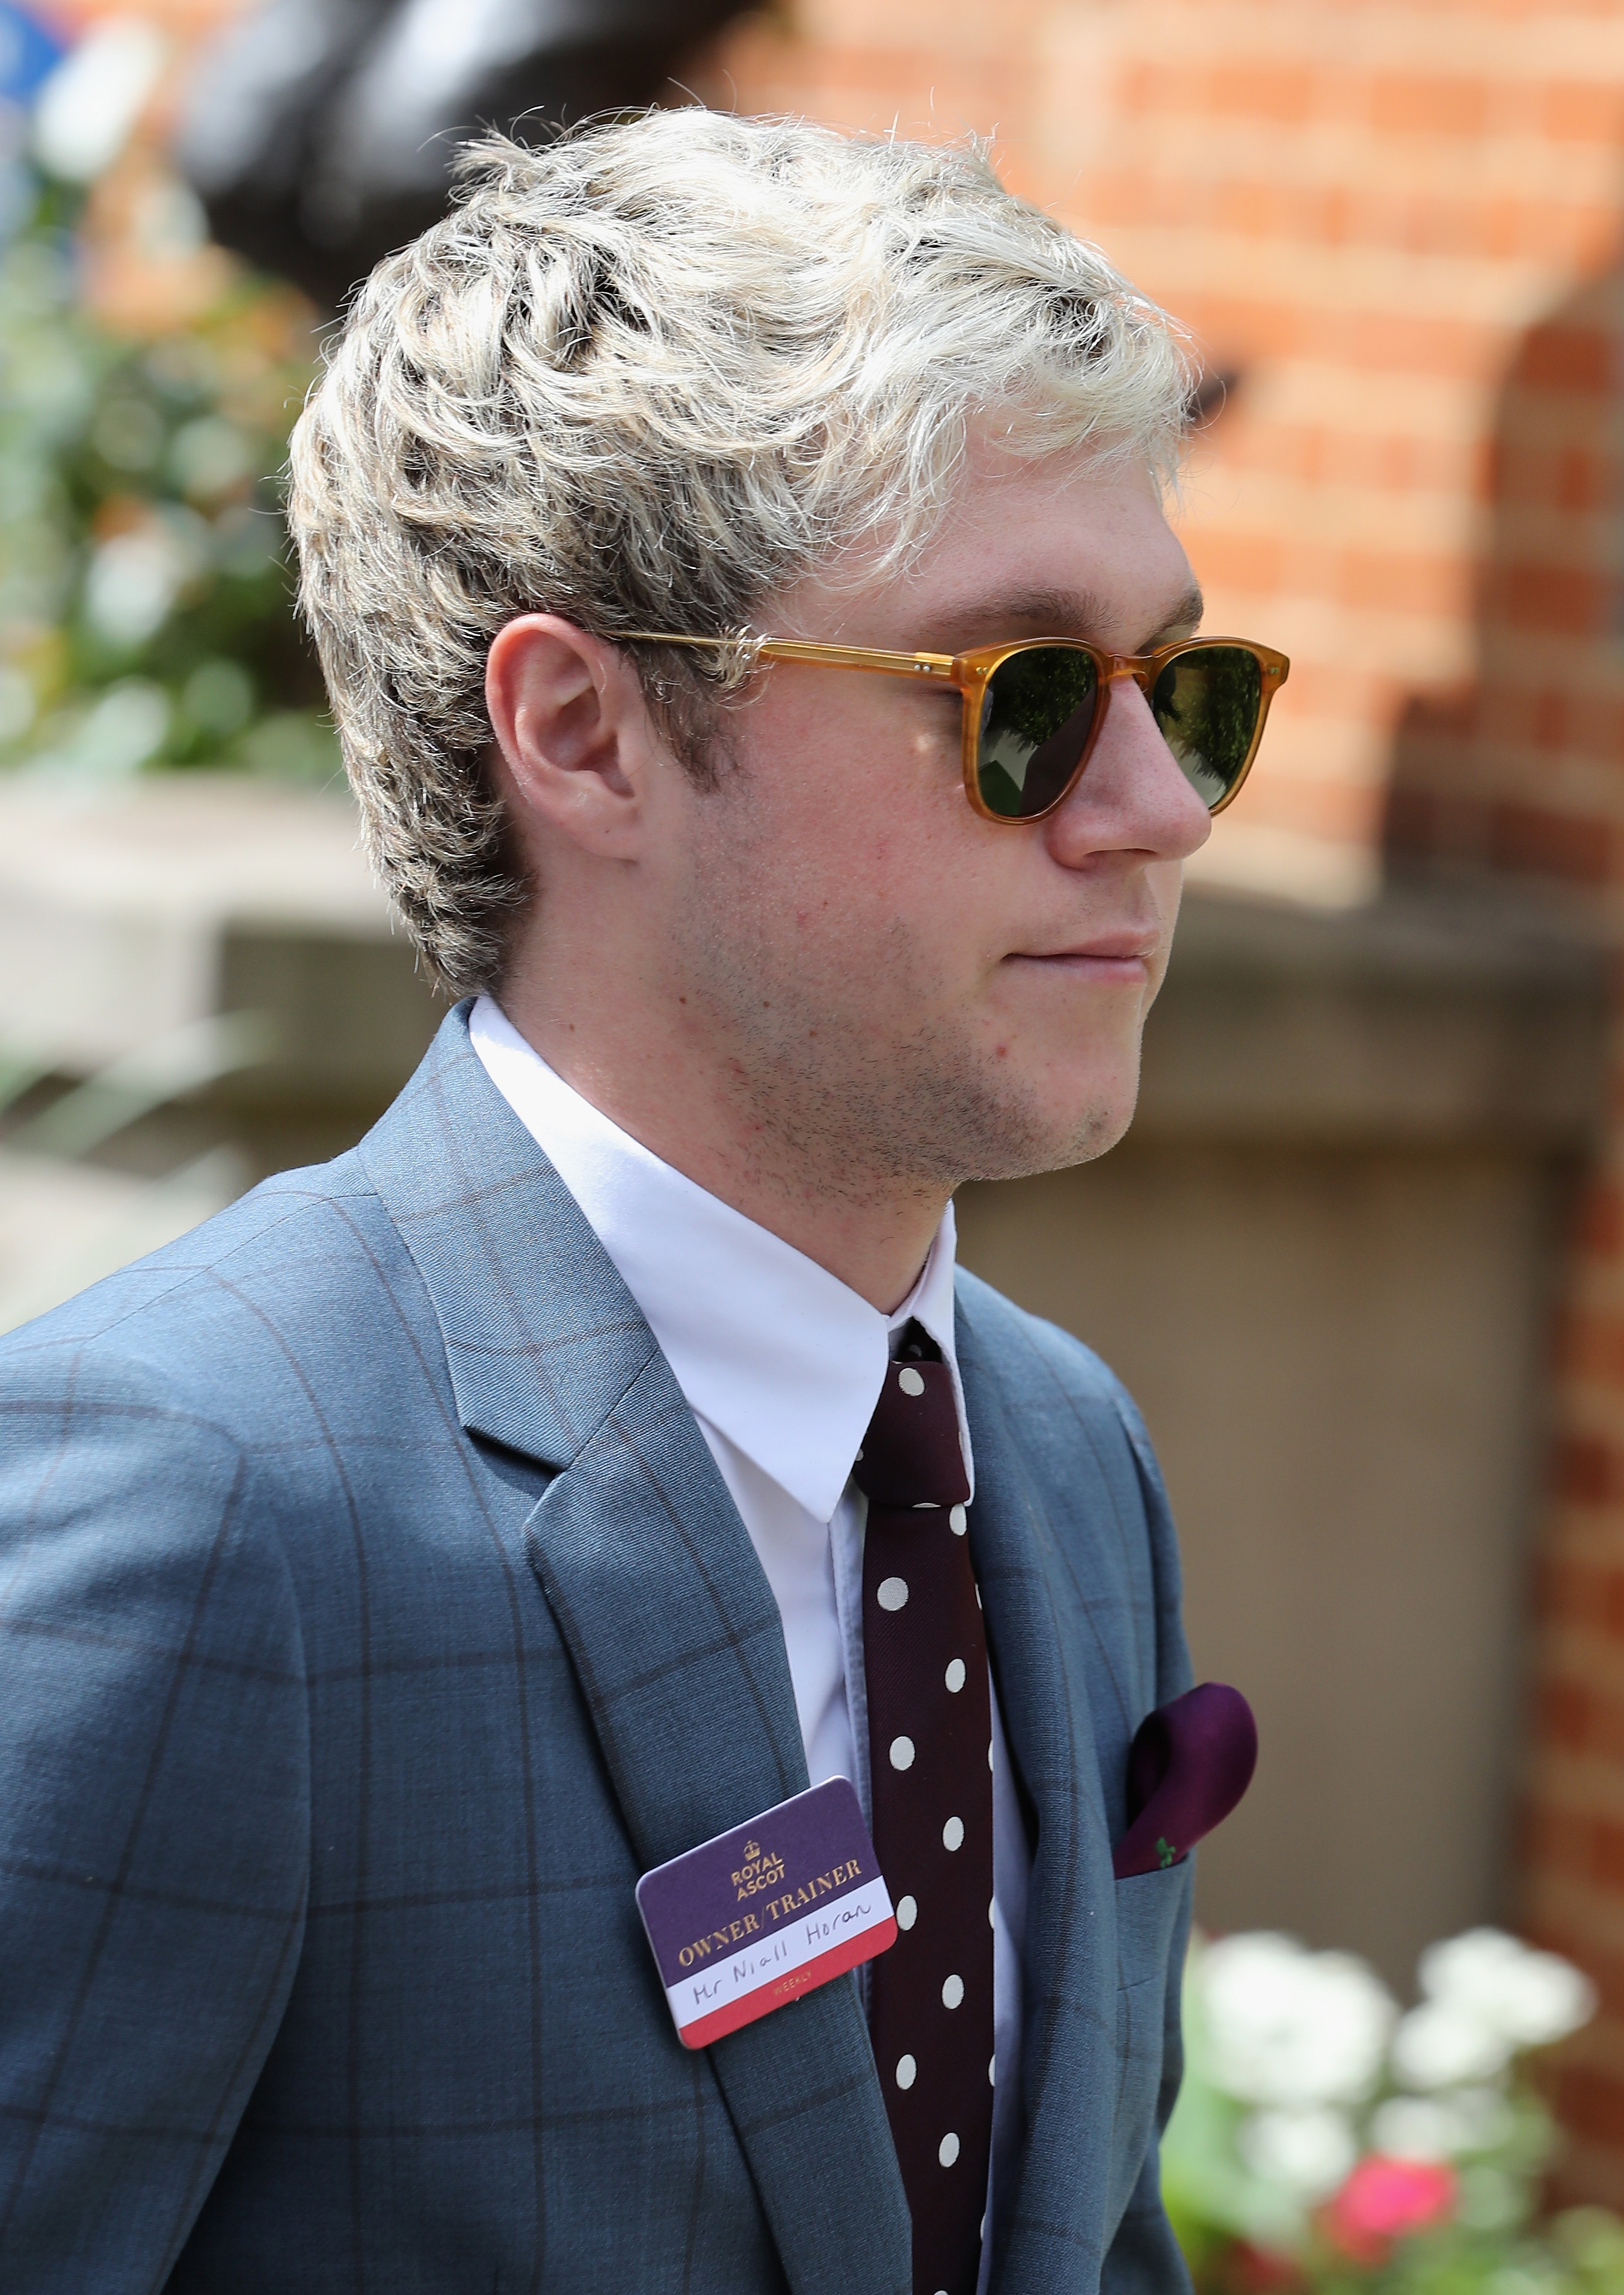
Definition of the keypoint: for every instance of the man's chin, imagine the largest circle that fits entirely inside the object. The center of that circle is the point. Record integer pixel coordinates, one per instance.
(1055, 1141)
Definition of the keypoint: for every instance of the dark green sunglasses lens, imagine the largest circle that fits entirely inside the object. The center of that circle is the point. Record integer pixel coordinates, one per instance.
(1036, 717)
(1207, 703)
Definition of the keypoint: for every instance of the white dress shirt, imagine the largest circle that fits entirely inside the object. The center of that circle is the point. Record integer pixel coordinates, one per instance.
(782, 1365)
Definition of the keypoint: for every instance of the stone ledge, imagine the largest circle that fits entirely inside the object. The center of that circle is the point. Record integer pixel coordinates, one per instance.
(128, 913)
(1427, 1017)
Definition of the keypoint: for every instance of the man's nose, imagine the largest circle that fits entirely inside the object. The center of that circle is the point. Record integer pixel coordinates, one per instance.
(1131, 796)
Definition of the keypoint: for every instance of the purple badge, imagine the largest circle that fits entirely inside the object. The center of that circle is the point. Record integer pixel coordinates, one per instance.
(1188, 1764)
(747, 1921)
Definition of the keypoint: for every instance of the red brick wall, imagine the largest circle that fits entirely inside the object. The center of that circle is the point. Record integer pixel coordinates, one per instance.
(1401, 227)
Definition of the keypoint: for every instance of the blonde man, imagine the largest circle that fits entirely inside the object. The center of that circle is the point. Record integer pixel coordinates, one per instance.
(772, 693)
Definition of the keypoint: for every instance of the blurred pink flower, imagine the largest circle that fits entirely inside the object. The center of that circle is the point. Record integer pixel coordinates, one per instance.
(1383, 2200)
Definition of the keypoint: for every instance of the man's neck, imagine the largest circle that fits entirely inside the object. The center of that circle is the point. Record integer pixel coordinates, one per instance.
(873, 1234)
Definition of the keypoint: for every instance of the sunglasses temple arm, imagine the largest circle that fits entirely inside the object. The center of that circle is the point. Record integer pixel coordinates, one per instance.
(807, 650)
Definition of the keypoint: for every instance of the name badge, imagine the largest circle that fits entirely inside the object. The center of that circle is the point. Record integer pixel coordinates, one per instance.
(748, 1921)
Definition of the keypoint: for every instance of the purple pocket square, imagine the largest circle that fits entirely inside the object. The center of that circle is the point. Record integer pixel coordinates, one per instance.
(1188, 1766)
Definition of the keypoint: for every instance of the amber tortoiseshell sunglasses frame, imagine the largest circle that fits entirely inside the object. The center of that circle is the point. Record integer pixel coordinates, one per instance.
(971, 672)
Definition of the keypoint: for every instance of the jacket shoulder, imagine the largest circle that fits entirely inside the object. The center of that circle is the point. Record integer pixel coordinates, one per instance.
(1030, 1358)
(227, 1315)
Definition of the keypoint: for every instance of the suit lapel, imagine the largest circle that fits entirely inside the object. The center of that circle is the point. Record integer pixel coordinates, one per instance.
(666, 1611)
(1069, 2067)
(677, 1643)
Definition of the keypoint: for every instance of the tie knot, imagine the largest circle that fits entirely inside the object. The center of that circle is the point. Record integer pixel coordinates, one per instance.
(910, 1455)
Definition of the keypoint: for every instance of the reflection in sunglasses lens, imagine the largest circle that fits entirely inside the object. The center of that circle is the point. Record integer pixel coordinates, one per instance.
(1036, 721)
(1206, 703)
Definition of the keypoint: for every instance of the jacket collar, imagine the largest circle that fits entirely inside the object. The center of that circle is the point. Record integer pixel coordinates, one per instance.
(542, 1337)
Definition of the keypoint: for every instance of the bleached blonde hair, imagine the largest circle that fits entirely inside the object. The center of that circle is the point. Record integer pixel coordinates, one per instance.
(647, 376)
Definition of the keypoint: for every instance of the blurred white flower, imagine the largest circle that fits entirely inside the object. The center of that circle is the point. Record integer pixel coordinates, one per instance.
(135, 578)
(132, 584)
(1487, 1995)
(1414, 2128)
(93, 98)
(1528, 1997)
(1289, 2027)
(115, 737)
(1441, 2127)
(1439, 2046)
(1309, 2153)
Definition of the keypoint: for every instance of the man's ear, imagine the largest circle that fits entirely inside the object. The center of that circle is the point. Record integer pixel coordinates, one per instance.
(576, 741)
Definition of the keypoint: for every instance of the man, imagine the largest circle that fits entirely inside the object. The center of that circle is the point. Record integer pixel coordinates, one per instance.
(403, 1563)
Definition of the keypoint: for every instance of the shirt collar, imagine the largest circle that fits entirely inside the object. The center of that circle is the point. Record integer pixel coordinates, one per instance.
(778, 1354)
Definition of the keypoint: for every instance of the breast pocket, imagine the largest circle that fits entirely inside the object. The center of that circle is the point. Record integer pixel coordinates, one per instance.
(1152, 1922)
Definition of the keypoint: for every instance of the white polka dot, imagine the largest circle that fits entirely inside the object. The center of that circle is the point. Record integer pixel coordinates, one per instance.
(993, 1914)
(910, 1382)
(947, 2151)
(893, 1593)
(952, 1992)
(979, 1603)
(901, 1752)
(902, 1765)
(907, 2071)
(955, 1676)
(907, 1911)
(960, 1522)
(953, 1834)
(992, 2071)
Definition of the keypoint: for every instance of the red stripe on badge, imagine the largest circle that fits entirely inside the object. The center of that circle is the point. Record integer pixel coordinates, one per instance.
(766, 1997)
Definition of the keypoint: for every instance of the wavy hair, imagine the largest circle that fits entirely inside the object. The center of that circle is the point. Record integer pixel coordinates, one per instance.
(647, 376)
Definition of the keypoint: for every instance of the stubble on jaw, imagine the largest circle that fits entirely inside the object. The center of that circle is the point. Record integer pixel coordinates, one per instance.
(839, 1095)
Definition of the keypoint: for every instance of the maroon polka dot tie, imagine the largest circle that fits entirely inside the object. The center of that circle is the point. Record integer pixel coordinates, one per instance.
(930, 1746)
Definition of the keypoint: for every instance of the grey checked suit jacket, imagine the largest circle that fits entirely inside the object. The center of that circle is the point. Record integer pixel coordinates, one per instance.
(372, 1614)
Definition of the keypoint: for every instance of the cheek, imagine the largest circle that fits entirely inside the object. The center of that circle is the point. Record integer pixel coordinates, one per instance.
(852, 803)
(844, 861)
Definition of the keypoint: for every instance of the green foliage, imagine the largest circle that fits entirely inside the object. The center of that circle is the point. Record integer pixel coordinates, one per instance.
(145, 596)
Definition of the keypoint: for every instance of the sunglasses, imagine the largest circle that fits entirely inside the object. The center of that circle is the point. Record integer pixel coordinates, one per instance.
(1033, 710)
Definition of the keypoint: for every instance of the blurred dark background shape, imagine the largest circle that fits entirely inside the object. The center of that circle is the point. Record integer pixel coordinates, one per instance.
(321, 134)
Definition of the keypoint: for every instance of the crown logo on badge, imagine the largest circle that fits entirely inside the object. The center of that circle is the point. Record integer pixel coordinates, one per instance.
(762, 1868)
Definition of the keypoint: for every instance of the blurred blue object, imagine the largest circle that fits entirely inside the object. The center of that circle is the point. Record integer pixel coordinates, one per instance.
(28, 53)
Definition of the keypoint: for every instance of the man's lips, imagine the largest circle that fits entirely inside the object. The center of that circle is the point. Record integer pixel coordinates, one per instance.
(1108, 956)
